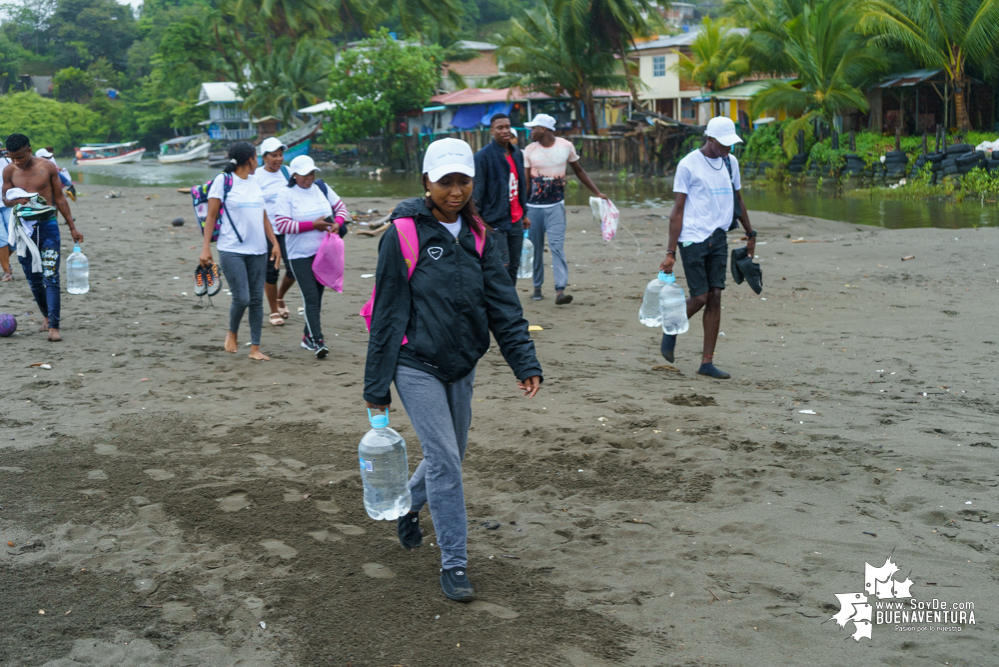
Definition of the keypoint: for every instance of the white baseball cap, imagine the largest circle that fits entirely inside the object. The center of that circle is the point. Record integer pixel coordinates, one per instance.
(43, 152)
(303, 165)
(542, 119)
(722, 129)
(448, 156)
(271, 144)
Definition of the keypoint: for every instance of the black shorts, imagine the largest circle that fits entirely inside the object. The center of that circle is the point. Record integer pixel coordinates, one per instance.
(273, 273)
(705, 263)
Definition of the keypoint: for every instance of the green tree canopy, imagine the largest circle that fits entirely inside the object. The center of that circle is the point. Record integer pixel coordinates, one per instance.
(375, 82)
(72, 85)
(85, 30)
(47, 122)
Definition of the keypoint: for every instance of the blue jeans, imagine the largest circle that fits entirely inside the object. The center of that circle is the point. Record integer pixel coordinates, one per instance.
(440, 414)
(549, 221)
(45, 285)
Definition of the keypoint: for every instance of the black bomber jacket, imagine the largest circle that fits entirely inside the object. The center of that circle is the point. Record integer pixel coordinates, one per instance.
(446, 310)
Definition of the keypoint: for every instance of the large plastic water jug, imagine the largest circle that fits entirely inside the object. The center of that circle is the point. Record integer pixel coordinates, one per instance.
(384, 470)
(673, 307)
(77, 272)
(649, 314)
(526, 269)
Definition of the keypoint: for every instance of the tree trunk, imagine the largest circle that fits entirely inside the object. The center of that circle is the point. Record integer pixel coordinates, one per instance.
(591, 111)
(960, 105)
(623, 54)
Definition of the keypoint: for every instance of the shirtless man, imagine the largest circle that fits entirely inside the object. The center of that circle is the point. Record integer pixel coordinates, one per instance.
(36, 175)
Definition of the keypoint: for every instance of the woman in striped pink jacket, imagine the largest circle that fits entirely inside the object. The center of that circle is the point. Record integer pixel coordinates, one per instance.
(305, 211)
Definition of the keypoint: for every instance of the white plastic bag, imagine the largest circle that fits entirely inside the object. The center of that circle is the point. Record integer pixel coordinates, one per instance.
(605, 211)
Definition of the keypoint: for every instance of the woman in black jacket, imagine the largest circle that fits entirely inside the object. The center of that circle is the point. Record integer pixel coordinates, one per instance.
(445, 312)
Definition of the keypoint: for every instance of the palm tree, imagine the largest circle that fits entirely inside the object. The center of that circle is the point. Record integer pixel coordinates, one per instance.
(946, 35)
(831, 60)
(613, 25)
(717, 56)
(542, 52)
(281, 84)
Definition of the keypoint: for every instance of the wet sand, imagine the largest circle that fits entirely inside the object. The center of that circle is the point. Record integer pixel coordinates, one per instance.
(168, 503)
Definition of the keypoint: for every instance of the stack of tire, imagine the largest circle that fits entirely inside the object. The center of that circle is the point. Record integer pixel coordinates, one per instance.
(935, 161)
(854, 166)
(896, 164)
(958, 164)
(993, 163)
(797, 164)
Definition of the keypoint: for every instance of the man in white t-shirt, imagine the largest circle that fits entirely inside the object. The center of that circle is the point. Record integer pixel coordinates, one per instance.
(706, 188)
(545, 160)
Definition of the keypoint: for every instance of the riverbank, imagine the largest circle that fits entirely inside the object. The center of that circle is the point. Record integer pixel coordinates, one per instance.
(168, 502)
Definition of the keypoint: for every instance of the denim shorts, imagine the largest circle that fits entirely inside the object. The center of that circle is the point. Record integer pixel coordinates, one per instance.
(705, 263)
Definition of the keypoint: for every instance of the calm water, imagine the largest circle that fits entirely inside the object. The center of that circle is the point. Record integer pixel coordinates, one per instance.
(634, 192)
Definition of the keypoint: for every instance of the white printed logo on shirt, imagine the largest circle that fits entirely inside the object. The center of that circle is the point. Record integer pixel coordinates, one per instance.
(435, 253)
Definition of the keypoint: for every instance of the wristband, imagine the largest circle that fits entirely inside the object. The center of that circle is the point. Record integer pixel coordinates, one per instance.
(751, 234)
(671, 252)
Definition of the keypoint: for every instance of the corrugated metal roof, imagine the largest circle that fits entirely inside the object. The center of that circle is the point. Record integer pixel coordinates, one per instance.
(908, 78)
(683, 39)
(219, 92)
(490, 95)
(743, 91)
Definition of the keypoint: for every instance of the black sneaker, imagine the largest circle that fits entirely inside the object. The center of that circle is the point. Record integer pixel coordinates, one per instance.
(408, 528)
(321, 349)
(667, 347)
(455, 584)
(709, 370)
(308, 343)
(563, 299)
(537, 294)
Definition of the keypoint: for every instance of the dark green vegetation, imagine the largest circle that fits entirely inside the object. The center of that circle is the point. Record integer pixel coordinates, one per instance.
(280, 52)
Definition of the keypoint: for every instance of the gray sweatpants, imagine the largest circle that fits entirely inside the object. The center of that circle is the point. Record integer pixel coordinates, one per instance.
(245, 275)
(441, 414)
(549, 220)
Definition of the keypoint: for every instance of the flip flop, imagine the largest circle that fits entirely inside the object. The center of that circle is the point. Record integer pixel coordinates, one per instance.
(283, 310)
(7, 277)
(276, 320)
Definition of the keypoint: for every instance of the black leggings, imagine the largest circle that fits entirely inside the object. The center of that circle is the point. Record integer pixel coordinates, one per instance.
(312, 294)
(273, 273)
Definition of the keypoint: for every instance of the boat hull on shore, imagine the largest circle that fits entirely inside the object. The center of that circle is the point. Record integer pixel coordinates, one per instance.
(197, 153)
(85, 156)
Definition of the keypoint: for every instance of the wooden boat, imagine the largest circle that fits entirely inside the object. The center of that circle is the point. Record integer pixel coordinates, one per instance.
(298, 141)
(183, 149)
(109, 153)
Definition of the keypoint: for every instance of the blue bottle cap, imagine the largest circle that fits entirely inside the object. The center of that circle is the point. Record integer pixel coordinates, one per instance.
(76, 247)
(379, 420)
(667, 277)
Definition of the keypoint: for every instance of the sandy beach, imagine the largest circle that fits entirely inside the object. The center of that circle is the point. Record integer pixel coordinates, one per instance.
(166, 503)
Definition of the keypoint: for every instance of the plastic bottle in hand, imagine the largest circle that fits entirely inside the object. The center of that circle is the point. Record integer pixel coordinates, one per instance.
(77, 272)
(673, 307)
(649, 314)
(526, 269)
(384, 470)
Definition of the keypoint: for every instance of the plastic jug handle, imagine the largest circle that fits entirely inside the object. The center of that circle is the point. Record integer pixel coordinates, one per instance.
(666, 277)
(369, 414)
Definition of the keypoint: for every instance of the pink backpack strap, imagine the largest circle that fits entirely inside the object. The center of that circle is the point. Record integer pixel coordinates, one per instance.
(409, 243)
(480, 238)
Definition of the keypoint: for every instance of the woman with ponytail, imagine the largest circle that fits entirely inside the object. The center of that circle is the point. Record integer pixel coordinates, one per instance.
(242, 242)
(432, 314)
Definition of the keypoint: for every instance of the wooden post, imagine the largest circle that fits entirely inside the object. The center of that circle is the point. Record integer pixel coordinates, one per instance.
(898, 138)
(801, 142)
(853, 141)
(835, 140)
(936, 136)
(924, 143)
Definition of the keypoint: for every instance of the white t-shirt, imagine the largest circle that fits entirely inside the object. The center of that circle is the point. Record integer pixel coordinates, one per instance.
(453, 227)
(547, 167)
(244, 208)
(301, 205)
(709, 193)
(271, 183)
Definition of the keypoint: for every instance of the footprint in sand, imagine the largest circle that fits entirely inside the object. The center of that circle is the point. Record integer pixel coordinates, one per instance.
(97, 474)
(347, 529)
(106, 450)
(327, 506)
(159, 475)
(263, 460)
(210, 449)
(235, 501)
(376, 571)
(13, 469)
(492, 609)
(294, 464)
(323, 536)
(279, 548)
(292, 496)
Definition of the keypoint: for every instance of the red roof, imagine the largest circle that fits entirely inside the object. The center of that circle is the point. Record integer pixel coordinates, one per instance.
(490, 95)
